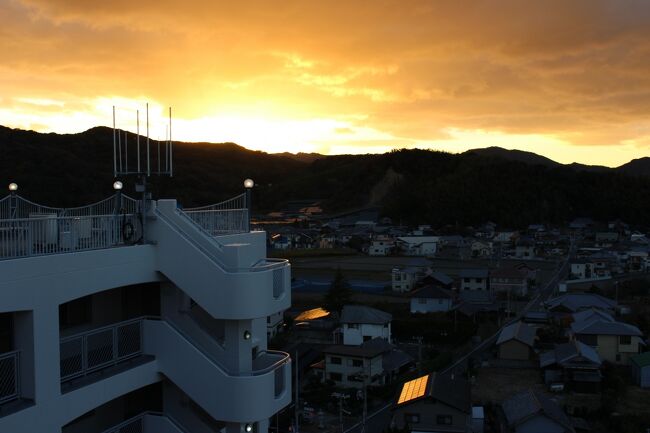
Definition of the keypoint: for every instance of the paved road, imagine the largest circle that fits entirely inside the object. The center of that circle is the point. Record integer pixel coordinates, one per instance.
(380, 419)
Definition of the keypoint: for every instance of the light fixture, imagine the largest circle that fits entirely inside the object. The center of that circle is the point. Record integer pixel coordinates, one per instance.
(248, 427)
(117, 185)
(13, 187)
(248, 183)
(247, 335)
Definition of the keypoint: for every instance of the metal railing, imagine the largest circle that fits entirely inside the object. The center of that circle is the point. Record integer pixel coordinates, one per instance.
(42, 234)
(228, 217)
(9, 376)
(29, 229)
(139, 423)
(100, 348)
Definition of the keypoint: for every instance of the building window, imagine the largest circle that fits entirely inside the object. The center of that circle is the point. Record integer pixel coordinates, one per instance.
(357, 363)
(335, 360)
(444, 420)
(625, 339)
(336, 377)
(412, 418)
(366, 338)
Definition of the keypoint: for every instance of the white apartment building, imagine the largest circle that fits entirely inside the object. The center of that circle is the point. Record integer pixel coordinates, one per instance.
(139, 322)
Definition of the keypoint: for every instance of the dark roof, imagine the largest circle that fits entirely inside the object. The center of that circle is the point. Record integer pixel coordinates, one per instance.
(363, 314)
(395, 359)
(564, 354)
(579, 301)
(474, 273)
(509, 273)
(518, 331)
(368, 349)
(599, 326)
(440, 277)
(525, 405)
(433, 292)
(452, 391)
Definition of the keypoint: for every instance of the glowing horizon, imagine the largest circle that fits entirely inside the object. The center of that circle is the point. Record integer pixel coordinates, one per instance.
(343, 79)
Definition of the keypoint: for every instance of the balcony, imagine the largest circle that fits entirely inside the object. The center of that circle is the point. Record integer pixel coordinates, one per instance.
(9, 376)
(224, 394)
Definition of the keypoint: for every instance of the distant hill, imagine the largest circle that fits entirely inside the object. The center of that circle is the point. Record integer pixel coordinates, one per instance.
(512, 188)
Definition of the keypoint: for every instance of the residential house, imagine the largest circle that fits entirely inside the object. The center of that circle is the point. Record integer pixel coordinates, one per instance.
(434, 403)
(404, 280)
(525, 248)
(474, 279)
(481, 249)
(574, 364)
(570, 303)
(418, 245)
(640, 365)
(533, 412)
(586, 269)
(615, 342)
(506, 237)
(606, 239)
(432, 299)
(381, 246)
(349, 366)
(509, 280)
(516, 341)
(438, 278)
(360, 323)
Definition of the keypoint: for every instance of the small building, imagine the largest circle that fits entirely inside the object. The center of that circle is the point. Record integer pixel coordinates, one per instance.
(418, 245)
(432, 299)
(533, 412)
(439, 279)
(516, 341)
(434, 403)
(381, 246)
(404, 279)
(573, 364)
(474, 279)
(525, 248)
(640, 365)
(481, 249)
(509, 280)
(615, 342)
(349, 366)
(360, 323)
(574, 302)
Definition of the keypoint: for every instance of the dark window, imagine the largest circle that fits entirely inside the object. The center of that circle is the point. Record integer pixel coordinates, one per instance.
(335, 360)
(6, 332)
(75, 313)
(336, 377)
(268, 319)
(444, 420)
(412, 418)
(625, 339)
(357, 363)
(367, 338)
(590, 340)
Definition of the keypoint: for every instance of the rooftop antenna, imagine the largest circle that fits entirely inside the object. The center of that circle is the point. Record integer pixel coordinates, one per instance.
(140, 173)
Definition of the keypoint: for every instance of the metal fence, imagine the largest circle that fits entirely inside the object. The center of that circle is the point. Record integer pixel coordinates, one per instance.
(16, 207)
(42, 234)
(100, 348)
(9, 376)
(228, 217)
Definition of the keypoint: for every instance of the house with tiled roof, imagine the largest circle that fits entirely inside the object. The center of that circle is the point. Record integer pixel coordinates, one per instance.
(640, 365)
(533, 412)
(434, 403)
(516, 341)
(432, 299)
(360, 323)
(614, 341)
(574, 364)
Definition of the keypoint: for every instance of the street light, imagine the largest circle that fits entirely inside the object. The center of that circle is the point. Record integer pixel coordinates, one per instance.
(13, 187)
(117, 185)
(249, 184)
(248, 427)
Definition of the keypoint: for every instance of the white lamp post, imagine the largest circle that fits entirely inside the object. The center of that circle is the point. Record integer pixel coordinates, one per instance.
(249, 184)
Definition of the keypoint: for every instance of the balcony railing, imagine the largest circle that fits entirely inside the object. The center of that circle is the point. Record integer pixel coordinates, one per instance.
(146, 422)
(29, 229)
(9, 376)
(100, 348)
(225, 218)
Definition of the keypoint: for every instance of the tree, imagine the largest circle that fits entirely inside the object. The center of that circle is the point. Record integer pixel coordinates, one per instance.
(338, 294)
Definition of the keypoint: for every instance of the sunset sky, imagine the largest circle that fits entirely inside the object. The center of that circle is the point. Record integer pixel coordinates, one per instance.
(566, 79)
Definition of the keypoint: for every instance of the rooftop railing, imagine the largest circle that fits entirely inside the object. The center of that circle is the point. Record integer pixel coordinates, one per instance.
(9, 376)
(30, 229)
(228, 217)
(144, 423)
